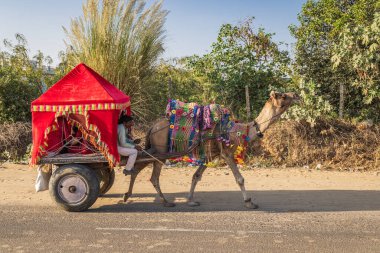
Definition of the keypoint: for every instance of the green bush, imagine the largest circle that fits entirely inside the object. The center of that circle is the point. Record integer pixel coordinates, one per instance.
(313, 106)
(22, 79)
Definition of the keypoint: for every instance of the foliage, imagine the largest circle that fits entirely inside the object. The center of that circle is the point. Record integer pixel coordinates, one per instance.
(173, 80)
(359, 46)
(242, 56)
(121, 40)
(22, 79)
(313, 107)
(318, 37)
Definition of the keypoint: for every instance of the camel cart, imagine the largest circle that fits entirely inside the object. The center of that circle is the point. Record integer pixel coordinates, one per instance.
(74, 125)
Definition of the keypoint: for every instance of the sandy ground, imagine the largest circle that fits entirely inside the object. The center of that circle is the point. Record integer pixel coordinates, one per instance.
(300, 211)
(217, 186)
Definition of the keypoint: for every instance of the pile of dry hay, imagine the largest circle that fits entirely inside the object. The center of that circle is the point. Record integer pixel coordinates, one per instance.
(332, 144)
(15, 138)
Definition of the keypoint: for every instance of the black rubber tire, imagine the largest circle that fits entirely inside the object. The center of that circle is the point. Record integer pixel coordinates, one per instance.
(86, 176)
(111, 181)
(106, 177)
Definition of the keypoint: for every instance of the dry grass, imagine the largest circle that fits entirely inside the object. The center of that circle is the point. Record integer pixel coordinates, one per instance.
(332, 144)
(14, 140)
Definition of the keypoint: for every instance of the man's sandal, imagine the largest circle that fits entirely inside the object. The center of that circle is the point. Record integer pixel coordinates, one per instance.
(129, 172)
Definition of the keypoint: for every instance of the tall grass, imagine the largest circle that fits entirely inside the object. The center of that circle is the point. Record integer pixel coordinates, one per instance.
(122, 40)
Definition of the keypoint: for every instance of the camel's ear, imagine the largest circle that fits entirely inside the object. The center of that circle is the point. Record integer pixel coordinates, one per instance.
(272, 94)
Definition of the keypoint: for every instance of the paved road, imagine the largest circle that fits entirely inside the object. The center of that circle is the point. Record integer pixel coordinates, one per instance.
(148, 227)
(300, 211)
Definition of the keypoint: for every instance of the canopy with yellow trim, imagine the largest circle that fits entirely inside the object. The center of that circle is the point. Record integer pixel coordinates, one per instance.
(82, 98)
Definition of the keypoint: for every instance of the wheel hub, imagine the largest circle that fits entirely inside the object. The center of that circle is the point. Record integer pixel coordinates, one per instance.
(73, 189)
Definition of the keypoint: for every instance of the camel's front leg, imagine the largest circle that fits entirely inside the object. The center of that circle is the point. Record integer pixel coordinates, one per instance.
(196, 177)
(155, 179)
(138, 168)
(240, 181)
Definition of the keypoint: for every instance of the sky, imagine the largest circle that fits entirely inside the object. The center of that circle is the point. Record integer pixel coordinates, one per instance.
(191, 25)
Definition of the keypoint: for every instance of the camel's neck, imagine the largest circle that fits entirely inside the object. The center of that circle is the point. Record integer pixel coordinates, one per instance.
(267, 117)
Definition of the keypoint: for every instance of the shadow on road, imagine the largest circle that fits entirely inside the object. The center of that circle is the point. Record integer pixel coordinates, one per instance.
(269, 201)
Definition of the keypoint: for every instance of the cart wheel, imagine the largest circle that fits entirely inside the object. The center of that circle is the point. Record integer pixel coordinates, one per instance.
(106, 177)
(74, 187)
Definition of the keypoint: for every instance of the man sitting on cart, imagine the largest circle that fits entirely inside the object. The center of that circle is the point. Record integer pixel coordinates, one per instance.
(125, 145)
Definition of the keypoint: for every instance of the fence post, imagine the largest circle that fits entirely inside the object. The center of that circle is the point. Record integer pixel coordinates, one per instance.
(248, 106)
(170, 84)
(341, 100)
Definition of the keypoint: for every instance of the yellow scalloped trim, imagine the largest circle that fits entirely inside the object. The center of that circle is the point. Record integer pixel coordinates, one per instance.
(80, 108)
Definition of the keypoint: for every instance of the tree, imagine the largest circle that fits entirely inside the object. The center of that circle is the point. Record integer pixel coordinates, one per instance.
(22, 79)
(358, 47)
(313, 107)
(242, 56)
(317, 37)
(121, 40)
(174, 80)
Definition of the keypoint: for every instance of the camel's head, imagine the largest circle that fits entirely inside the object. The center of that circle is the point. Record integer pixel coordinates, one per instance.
(276, 105)
(282, 101)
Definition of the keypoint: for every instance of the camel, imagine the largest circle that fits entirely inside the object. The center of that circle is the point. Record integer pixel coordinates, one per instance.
(157, 138)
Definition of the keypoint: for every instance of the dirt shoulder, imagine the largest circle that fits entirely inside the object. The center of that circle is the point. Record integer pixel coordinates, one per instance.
(217, 186)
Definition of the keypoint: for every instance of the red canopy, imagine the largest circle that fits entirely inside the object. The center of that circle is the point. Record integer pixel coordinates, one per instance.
(85, 99)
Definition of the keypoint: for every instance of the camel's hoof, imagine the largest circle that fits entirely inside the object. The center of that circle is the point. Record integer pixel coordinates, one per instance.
(126, 197)
(169, 204)
(251, 205)
(193, 203)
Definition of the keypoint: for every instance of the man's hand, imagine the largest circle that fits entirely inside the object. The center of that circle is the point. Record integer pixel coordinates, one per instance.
(138, 147)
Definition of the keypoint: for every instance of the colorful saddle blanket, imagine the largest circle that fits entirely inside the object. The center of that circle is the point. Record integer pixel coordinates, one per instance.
(189, 121)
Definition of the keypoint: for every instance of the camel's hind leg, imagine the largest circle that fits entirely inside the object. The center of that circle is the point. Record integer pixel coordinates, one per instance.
(155, 179)
(240, 181)
(196, 178)
(132, 182)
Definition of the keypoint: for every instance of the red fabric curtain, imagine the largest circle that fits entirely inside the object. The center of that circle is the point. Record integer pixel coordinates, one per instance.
(40, 122)
(100, 130)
